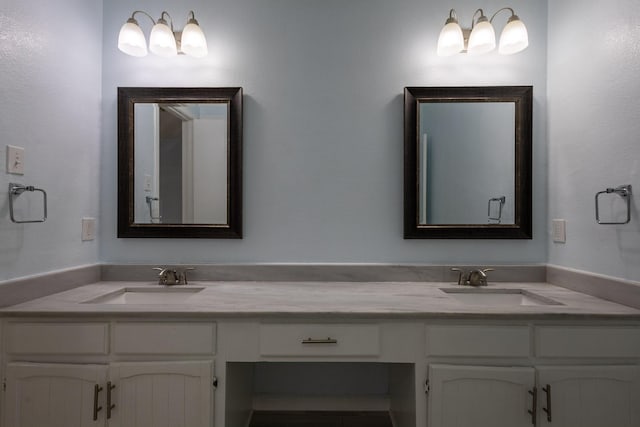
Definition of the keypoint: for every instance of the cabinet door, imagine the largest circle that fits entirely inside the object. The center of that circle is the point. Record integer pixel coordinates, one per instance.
(480, 396)
(591, 396)
(53, 395)
(162, 394)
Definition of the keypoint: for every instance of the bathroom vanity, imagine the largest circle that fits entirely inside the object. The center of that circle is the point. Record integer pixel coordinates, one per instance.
(213, 353)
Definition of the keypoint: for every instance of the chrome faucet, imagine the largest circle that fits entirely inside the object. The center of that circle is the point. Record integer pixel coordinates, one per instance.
(171, 277)
(475, 277)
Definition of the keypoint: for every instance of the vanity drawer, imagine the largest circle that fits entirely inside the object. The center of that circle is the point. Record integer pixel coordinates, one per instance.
(319, 340)
(480, 341)
(587, 341)
(57, 338)
(164, 338)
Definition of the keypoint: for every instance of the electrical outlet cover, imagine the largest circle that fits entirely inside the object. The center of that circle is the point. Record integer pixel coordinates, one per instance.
(559, 232)
(88, 229)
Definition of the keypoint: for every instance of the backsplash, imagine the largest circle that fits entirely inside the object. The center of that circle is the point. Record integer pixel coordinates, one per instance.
(326, 273)
(608, 288)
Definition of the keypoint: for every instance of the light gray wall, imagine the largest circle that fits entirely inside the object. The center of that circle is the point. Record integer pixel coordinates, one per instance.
(323, 83)
(50, 68)
(323, 126)
(594, 130)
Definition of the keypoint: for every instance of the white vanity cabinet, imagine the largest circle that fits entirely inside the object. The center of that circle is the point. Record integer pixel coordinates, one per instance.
(43, 394)
(462, 396)
(567, 396)
(138, 394)
(594, 391)
(547, 375)
(588, 396)
(157, 394)
(139, 372)
(332, 365)
(124, 374)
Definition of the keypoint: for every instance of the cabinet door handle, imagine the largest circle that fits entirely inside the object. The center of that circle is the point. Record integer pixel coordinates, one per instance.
(96, 392)
(534, 408)
(110, 406)
(547, 390)
(327, 340)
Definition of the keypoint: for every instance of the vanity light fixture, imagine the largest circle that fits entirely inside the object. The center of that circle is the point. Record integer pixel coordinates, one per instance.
(163, 40)
(481, 37)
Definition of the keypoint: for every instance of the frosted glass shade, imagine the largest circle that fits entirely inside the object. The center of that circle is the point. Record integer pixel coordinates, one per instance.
(193, 41)
(131, 39)
(162, 41)
(482, 38)
(514, 37)
(451, 40)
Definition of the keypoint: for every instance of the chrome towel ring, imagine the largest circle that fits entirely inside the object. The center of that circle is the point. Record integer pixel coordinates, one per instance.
(16, 190)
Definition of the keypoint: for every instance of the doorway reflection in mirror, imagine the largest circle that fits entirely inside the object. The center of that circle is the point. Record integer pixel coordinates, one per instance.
(181, 158)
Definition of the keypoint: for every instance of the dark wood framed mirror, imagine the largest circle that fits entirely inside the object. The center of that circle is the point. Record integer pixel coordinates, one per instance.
(180, 162)
(468, 162)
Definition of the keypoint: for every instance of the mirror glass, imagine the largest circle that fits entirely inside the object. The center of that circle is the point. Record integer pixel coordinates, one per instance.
(468, 162)
(466, 171)
(179, 162)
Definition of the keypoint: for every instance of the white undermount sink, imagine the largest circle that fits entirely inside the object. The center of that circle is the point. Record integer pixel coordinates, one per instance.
(497, 297)
(159, 295)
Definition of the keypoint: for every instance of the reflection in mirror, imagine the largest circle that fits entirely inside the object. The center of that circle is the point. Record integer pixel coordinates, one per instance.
(180, 162)
(468, 162)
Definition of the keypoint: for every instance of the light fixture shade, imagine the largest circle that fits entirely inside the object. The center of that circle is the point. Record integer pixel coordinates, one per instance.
(482, 38)
(131, 39)
(162, 42)
(514, 37)
(193, 41)
(451, 40)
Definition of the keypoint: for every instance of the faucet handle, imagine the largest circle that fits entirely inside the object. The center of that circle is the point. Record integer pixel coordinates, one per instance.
(182, 277)
(167, 276)
(162, 276)
(478, 277)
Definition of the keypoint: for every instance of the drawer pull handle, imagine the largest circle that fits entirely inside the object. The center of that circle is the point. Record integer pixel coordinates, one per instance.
(110, 406)
(547, 390)
(534, 406)
(96, 391)
(327, 340)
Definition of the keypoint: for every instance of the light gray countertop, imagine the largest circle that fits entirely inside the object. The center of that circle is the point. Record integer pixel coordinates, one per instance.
(386, 300)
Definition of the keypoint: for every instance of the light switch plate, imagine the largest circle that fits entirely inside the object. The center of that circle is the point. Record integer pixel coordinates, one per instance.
(148, 187)
(15, 160)
(88, 229)
(559, 232)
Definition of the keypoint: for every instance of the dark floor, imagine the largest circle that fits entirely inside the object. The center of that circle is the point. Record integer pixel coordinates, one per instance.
(320, 419)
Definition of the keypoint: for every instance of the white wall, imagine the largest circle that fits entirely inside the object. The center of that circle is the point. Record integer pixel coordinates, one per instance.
(323, 83)
(323, 126)
(594, 130)
(50, 68)
(209, 164)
